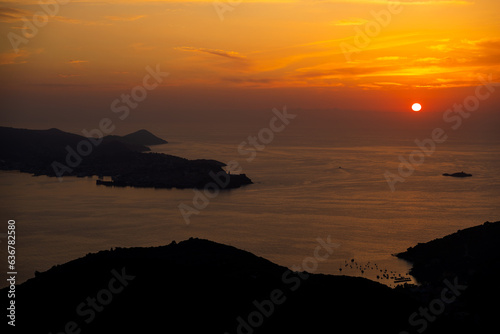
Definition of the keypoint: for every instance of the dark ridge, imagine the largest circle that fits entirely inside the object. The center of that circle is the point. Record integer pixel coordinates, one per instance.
(199, 286)
(202, 286)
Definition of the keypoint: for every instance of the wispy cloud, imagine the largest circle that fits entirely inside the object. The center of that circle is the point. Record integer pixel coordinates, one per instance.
(489, 43)
(390, 58)
(125, 18)
(436, 2)
(407, 2)
(216, 52)
(368, 86)
(142, 47)
(385, 83)
(65, 76)
(250, 81)
(441, 47)
(9, 58)
(13, 14)
(350, 22)
(67, 20)
(342, 72)
(77, 61)
(429, 60)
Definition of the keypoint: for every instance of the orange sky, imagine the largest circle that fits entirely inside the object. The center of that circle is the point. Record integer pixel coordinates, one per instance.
(229, 54)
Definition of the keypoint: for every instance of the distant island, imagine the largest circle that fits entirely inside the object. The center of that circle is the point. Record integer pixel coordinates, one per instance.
(459, 174)
(199, 286)
(58, 154)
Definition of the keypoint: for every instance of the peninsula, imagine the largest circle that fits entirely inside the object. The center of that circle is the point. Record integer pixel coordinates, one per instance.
(59, 154)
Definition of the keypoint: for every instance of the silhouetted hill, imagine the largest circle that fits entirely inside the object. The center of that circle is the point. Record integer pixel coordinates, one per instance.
(46, 146)
(199, 286)
(470, 257)
(461, 253)
(56, 153)
(141, 137)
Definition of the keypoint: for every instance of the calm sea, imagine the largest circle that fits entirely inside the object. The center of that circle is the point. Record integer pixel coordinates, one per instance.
(308, 184)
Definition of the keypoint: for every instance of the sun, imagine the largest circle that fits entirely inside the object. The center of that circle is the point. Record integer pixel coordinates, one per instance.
(416, 107)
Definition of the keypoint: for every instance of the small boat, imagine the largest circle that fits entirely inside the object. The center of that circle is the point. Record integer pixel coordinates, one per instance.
(402, 279)
(104, 183)
(460, 174)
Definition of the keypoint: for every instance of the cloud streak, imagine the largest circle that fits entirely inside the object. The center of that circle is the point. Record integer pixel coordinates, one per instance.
(406, 2)
(11, 58)
(74, 62)
(125, 18)
(216, 52)
(13, 14)
(350, 22)
(65, 76)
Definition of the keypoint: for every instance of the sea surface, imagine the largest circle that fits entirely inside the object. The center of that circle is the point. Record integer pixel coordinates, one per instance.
(308, 184)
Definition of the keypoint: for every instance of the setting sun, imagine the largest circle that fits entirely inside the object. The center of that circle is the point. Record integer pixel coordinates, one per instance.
(416, 107)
